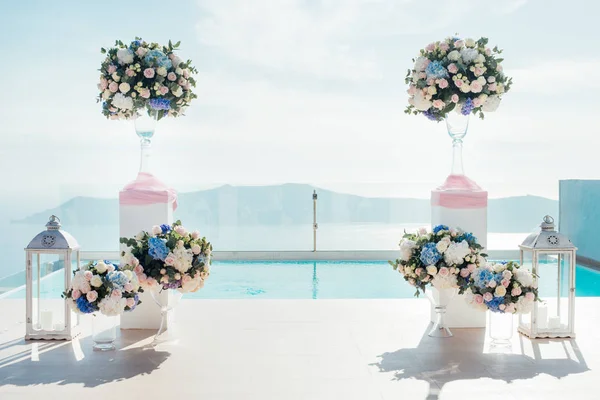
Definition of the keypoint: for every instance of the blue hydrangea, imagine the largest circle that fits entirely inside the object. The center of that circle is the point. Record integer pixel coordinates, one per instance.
(468, 236)
(85, 306)
(482, 277)
(158, 59)
(160, 104)
(117, 278)
(430, 255)
(157, 248)
(494, 304)
(431, 115)
(438, 228)
(165, 228)
(135, 43)
(436, 70)
(467, 107)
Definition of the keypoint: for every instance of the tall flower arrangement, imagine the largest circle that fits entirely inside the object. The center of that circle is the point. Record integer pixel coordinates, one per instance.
(144, 77)
(169, 257)
(465, 76)
(444, 258)
(502, 287)
(101, 286)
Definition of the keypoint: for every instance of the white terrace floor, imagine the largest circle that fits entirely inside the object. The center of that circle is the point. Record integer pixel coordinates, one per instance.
(306, 349)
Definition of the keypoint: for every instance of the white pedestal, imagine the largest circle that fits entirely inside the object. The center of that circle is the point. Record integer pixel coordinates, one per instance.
(132, 220)
(472, 218)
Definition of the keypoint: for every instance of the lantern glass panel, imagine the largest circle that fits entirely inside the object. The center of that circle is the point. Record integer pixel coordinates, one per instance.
(525, 320)
(47, 275)
(554, 290)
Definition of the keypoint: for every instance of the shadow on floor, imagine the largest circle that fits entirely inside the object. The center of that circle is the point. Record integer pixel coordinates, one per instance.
(439, 361)
(25, 363)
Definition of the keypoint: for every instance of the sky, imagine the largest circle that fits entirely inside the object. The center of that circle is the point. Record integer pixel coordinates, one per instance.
(300, 91)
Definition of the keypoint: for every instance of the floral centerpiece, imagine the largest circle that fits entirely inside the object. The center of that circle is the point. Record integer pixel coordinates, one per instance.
(444, 258)
(169, 257)
(502, 288)
(101, 286)
(144, 76)
(465, 76)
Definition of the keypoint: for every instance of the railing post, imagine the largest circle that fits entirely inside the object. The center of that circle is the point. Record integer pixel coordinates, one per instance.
(315, 226)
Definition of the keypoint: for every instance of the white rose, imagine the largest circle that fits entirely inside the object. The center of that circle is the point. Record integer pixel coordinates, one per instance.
(140, 235)
(96, 281)
(176, 61)
(115, 77)
(156, 230)
(420, 64)
(162, 71)
(454, 55)
(524, 277)
(101, 267)
(420, 102)
(124, 87)
(480, 59)
(481, 80)
(500, 291)
(106, 94)
(432, 270)
(122, 102)
(125, 56)
(442, 246)
(470, 43)
(178, 71)
(141, 51)
(178, 92)
(491, 104)
(499, 267)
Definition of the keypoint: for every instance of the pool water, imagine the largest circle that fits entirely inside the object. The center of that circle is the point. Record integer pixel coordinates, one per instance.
(311, 280)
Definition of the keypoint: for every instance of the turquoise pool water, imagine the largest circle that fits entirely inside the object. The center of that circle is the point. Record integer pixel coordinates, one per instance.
(311, 280)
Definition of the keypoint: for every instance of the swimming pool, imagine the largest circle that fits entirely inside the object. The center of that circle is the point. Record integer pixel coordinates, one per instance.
(310, 280)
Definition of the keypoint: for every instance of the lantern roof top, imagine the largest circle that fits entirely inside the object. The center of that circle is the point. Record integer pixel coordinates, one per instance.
(53, 238)
(547, 238)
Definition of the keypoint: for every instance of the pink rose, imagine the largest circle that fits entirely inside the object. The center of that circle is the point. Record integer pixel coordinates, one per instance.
(452, 68)
(439, 104)
(130, 302)
(455, 98)
(491, 79)
(488, 51)
(110, 268)
(488, 296)
(129, 72)
(477, 102)
(464, 272)
(171, 76)
(444, 271)
(76, 294)
(442, 83)
(458, 82)
(195, 235)
(505, 282)
(453, 270)
(149, 73)
(138, 269)
(113, 87)
(164, 90)
(180, 230)
(510, 309)
(459, 43)
(170, 261)
(412, 89)
(182, 81)
(116, 293)
(492, 87)
(103, 84)
(411, 281)
(516, 291)
(478, 299)
(135, 262)
(112, 69)
(142, 277)
(476, 87)
(478, 71)
(430, 81)
(430, 47)
(187, 86)
(444, 46)
(145, 93)
(128, 287)
(492, 284)
(196, 249)
(186, 73)
(530, 296)
(141, 51)
(499, 68)
(422, 75)
(88, 275)
(502, 307)
(419, 271)
(92, 296)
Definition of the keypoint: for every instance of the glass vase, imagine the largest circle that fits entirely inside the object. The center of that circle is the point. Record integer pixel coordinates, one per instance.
(104, 332)
(167, 300)
(457, 125)
(440, 298)
(145, 126)
(500, 328)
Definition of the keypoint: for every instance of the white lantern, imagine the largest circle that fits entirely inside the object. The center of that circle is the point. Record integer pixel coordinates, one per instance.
(51, 257)
(551, 258)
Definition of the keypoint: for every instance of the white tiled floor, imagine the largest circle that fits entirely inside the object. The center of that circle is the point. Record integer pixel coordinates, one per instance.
(303, 349)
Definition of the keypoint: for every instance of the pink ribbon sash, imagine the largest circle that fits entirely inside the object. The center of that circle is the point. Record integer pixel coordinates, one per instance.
(147, 189)
(459, 192)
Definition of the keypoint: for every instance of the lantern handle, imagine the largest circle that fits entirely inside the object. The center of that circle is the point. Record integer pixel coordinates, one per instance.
(53, 223)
